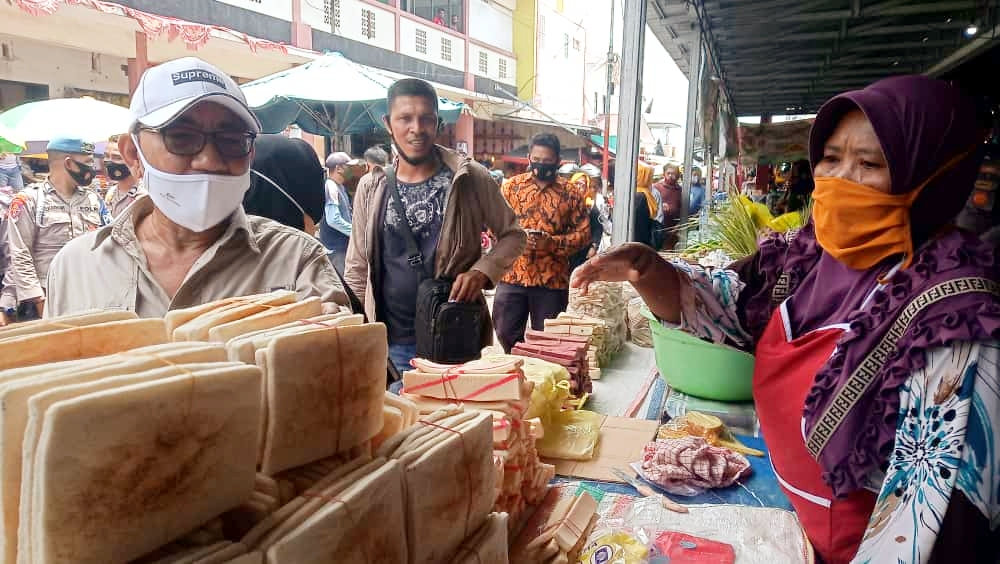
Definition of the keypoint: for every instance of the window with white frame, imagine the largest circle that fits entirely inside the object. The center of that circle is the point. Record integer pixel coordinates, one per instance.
(367, 24)
(331, 14)
(421, 41)
(484, 62)
(503, 68)
(445, 49)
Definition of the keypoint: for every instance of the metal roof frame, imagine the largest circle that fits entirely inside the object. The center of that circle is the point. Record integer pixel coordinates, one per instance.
(788, 56)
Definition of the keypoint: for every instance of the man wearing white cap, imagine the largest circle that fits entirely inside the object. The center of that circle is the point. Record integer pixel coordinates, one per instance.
(189, 241)
(335, 229)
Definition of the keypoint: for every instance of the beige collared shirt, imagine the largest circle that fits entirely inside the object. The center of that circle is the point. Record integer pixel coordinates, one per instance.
(117, 199)
(36, 232)
(107, 269)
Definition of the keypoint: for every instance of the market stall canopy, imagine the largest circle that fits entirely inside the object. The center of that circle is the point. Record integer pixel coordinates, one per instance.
(9, 141)
(774, 142)
(328, 96)
(598, 140)
(788, 57)
(35, 123)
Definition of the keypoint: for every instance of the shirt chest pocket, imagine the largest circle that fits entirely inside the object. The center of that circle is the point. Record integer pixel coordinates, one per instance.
(56, 217)
(89, 217)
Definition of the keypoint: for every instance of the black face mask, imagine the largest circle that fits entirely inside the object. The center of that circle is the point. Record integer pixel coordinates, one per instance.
(83, 176)
(117, 171)
(544, 172)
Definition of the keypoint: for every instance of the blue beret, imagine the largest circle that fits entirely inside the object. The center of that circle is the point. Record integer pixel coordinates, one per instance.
(71, 146)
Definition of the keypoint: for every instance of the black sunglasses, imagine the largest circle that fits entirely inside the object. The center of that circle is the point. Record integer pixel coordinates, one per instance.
(187, 142)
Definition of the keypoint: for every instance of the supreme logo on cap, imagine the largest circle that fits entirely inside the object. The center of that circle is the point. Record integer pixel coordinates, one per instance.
(197, 75)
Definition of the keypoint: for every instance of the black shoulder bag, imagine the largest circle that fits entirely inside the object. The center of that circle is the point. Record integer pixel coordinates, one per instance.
(447, 332)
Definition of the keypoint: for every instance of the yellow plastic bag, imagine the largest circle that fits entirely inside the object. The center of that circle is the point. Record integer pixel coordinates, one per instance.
(786, 222)
(614, 547)
(708, 427)
(571, 435)
(758, 212)
(551, 385)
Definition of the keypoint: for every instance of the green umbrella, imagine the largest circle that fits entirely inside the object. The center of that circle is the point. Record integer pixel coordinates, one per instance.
(83, 118)
(9, 142)
(327, 96)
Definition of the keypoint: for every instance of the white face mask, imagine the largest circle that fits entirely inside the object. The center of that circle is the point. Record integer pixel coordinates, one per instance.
(197, 202)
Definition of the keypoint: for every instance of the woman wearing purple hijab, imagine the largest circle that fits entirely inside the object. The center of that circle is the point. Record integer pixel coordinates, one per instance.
(875, 331)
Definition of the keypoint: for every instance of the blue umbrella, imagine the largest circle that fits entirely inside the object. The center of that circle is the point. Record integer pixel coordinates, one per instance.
(330, 95)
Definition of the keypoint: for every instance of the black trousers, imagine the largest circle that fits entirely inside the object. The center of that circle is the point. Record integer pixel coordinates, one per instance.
(513, 304)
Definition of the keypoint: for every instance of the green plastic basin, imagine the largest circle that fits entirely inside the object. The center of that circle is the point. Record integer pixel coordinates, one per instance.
(700, 368)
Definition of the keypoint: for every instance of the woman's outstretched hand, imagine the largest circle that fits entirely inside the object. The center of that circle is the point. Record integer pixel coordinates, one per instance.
(624, 263)
(656, 280)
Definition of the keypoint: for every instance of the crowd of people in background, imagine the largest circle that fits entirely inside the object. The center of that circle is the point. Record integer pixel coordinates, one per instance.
(515, 237)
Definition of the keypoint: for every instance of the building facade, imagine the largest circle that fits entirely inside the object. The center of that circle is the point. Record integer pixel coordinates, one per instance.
(503, 58)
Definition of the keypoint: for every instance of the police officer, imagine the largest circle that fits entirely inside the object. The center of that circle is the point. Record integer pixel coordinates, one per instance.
(126, 188)
(46, 216)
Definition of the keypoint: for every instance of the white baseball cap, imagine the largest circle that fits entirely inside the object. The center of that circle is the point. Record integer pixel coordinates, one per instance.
(170, 89)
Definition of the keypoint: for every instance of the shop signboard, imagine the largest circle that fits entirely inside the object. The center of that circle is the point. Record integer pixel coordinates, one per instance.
(775, 142)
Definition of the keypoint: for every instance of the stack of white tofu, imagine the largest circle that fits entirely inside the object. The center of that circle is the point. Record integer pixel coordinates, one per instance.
(604, 301)
(268, 438)
(499, 389)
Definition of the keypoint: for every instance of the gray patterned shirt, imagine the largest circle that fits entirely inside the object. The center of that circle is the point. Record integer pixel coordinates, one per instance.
(424, 203)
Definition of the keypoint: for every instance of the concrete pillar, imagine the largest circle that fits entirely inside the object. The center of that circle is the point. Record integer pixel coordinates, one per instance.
(301, 32)
(629, 117)
(139, 64)
(465, 131)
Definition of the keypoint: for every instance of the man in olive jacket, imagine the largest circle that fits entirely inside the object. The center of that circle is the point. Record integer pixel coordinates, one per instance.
(449, 200)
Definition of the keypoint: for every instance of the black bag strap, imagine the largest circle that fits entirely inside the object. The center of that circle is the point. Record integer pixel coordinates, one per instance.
(414, 256)
(356, 305)
(392, 374)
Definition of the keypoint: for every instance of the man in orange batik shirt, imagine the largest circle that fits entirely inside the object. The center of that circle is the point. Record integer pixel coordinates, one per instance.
(556, 219)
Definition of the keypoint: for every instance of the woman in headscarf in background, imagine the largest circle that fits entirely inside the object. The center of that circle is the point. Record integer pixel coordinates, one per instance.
(581, 182)
(648, 212)
(286, 183)
(875, 331)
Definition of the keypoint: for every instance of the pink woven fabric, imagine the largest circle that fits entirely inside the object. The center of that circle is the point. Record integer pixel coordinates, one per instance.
(693, 462)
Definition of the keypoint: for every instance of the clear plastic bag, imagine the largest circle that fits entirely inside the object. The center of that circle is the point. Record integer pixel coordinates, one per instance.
(616, 546)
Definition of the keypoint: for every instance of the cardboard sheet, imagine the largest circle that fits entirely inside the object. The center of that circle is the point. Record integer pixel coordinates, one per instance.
(621, 443)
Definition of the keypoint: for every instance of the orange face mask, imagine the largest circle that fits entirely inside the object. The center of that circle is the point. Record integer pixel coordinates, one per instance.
(860, 226)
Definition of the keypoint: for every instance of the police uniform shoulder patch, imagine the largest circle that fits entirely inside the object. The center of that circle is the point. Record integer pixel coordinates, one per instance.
(17, 205)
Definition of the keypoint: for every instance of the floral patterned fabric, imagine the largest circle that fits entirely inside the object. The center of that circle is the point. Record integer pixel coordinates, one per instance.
(945, 440)
(559, 211)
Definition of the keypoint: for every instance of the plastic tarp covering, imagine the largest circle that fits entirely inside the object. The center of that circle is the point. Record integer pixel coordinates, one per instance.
(759, 535)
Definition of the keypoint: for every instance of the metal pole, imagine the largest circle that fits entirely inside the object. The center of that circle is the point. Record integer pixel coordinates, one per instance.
(629, 116)
(608, 92)
(690, 133)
